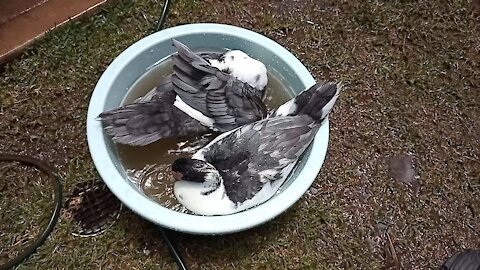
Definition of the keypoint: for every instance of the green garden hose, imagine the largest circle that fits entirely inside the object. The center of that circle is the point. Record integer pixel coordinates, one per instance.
(57, 205)
(49, 171)
(161, 20)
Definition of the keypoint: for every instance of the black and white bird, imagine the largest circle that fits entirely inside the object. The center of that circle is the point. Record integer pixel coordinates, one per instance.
(246, 166)
(465, 260)
(207, 91)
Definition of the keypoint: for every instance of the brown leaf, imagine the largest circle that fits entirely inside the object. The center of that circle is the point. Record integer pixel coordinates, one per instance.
(401, 169)
(370, 243)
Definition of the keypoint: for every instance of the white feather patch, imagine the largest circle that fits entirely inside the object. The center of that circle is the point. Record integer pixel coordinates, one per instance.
(184, 107)
(190, 195)
(267, 175)
(244, 68)
(286, 109)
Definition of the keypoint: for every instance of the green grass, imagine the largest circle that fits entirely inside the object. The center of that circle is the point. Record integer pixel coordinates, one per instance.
(411, 73)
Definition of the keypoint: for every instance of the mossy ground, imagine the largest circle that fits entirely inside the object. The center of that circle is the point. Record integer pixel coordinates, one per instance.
(411, 71)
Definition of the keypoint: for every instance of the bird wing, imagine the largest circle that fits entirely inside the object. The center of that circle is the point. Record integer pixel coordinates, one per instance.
(216, 94)
(259, 153)
(144, 123)
(233, 105)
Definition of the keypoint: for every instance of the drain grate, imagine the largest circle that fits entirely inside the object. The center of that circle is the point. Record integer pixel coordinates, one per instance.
(93, 208)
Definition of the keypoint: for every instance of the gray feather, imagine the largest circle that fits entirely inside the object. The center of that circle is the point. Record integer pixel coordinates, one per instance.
(144, 123)
(230, 102)
(269, 144)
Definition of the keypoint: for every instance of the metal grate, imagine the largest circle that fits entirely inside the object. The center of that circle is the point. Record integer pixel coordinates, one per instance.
(93, 208)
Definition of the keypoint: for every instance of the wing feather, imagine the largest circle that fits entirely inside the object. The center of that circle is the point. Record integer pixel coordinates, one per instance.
(260, 153)
(216, 94)
(144, 123)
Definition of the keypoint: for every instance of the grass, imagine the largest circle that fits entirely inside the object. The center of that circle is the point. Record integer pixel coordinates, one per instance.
(21, 184)
(411, 71)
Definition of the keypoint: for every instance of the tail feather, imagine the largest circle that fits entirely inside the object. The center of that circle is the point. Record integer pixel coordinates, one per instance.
(316, 101)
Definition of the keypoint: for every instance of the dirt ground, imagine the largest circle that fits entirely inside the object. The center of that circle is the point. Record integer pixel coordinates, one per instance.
(411, 71)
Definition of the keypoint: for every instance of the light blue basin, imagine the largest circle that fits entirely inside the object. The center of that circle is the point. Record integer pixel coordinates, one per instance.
(135, 61)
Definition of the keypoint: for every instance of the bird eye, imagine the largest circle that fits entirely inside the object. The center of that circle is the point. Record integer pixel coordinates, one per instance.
(232, 57)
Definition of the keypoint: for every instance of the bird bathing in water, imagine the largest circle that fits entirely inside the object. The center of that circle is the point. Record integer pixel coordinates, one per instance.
(206, 91)
(246, 166)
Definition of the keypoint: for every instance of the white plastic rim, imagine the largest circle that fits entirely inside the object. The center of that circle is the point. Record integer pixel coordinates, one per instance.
(112, 172)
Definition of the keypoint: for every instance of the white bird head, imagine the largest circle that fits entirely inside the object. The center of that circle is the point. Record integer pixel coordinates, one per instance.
(244, 68)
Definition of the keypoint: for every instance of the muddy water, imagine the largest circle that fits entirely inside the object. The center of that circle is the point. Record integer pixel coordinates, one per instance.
(148, 167)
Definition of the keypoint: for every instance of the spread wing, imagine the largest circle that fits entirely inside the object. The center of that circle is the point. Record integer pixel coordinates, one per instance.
(144, 123)
(260, 153)
(150, 118)
(229, 101)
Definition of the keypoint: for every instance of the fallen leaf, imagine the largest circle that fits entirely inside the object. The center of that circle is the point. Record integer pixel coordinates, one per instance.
(401, 169)
(370, 243)
(313, 191)
(381, 228)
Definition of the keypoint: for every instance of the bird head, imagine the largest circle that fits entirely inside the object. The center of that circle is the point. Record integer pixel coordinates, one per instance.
(195, 171)
(195, 180)
(245, 68)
